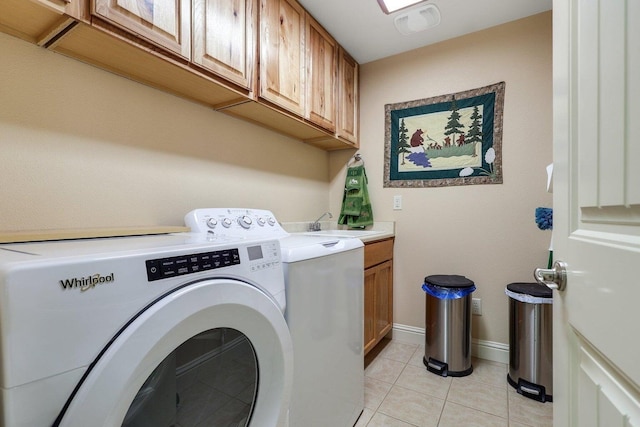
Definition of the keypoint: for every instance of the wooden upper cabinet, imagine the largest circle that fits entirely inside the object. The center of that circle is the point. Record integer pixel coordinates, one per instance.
(224, 35)
(166, 23)
(348, 98)
(282, 54)
(322, 70)
(38, 21)
(68, 7)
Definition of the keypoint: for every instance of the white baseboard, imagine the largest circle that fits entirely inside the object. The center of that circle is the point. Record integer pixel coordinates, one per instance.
(488, 350)
(408, 334)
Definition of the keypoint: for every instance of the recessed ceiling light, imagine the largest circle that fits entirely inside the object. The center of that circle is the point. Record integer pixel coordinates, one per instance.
(390, 6)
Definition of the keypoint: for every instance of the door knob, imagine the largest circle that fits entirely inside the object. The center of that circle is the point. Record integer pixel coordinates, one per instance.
(554, 278)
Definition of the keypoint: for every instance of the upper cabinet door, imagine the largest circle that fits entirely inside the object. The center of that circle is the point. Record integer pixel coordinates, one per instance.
(165, 23)
(282, 54)
(224, 35)
(322, 70)
(348, 102)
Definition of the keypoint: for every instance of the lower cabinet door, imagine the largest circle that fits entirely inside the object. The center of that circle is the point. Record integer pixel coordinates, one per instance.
(378, 303)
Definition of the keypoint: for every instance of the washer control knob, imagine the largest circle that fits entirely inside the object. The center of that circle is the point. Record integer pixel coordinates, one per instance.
(261, 222)
(212, 222)
(245, 221)
(271, 221)
(226, 223)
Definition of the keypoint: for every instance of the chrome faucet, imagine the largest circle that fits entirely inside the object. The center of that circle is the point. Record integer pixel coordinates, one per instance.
(315, 226)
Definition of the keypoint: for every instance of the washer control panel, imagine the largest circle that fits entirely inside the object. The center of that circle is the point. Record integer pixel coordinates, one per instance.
(237, 223)
(163, 268)
(265, 256)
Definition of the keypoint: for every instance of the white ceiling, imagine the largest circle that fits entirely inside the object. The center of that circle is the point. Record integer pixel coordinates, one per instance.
(368, 34)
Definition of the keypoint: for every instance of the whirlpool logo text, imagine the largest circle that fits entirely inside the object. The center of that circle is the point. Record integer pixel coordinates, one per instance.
(86, 283)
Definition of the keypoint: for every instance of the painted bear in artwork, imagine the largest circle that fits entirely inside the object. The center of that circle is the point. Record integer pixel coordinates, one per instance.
(416, 138)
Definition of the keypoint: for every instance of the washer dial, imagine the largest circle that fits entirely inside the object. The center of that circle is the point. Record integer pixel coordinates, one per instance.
(245, 221)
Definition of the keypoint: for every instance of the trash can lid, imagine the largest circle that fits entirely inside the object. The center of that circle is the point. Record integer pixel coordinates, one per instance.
(533, 289)
(449, 281)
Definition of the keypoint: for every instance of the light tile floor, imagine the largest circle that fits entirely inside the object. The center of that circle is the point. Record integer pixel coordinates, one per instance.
(400, 392)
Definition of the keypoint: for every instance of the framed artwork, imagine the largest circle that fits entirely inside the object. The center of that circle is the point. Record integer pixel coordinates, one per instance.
(453, 139)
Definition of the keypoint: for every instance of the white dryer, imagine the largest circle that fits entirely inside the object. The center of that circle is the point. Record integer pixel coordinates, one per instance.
(324, 279)
(144, 331)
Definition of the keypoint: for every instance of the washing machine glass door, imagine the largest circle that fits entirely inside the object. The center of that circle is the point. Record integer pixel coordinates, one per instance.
(212, 353)
(209, 380)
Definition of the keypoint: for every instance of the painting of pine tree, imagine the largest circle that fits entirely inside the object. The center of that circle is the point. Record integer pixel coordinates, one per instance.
(403, 144)
(445, 140)
(453, 126)
(475, 130)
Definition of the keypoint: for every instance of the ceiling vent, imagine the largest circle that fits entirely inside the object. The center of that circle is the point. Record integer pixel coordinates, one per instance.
(416, 20)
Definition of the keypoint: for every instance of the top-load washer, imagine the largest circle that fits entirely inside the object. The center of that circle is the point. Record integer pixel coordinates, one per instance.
(324, 279)
(325, 312)
(165, 330)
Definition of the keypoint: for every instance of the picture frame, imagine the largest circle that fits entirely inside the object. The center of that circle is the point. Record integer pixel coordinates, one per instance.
(447, 140)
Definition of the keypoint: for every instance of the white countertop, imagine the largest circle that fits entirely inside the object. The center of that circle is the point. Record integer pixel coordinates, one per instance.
(378, 231)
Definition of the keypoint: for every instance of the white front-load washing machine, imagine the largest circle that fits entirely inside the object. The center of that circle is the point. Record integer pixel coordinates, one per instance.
(324, 279)
(168, 330)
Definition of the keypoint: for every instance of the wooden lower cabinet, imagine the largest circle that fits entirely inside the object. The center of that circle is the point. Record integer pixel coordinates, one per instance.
(378, 292)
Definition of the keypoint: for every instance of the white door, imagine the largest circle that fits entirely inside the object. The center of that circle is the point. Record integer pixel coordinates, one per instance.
(597, 212)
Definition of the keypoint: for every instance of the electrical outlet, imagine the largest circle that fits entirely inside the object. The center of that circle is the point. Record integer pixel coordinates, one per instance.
(397, 203)
(476, 306)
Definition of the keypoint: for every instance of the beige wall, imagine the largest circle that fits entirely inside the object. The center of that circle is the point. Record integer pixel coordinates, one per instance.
(80, 147)
(486, 232)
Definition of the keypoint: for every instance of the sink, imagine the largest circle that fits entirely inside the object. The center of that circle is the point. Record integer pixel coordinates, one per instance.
(343, 233)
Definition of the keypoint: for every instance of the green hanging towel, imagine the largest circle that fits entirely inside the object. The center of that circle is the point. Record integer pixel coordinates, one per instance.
(356, 207)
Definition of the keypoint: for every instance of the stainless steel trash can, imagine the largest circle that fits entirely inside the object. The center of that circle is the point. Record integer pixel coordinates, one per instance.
(530, 340)
(447, 350)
